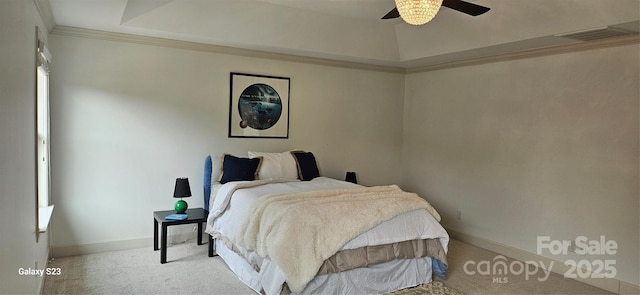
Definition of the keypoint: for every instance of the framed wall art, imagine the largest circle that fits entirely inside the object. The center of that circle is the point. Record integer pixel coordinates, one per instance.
(259, 106)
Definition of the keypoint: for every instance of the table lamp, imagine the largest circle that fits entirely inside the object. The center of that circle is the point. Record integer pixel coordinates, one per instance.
(351, 177)
(182, 190)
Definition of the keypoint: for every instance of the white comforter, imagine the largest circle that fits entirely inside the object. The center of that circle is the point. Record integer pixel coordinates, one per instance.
(234, 200)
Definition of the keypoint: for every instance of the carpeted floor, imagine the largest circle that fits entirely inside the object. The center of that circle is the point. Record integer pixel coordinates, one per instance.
(138, 271)
(190, 271)
(435, 287)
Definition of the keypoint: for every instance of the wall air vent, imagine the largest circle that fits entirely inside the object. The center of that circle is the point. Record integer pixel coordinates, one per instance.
(595, 34)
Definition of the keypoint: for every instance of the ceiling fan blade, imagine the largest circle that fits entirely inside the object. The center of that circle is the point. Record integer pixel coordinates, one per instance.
(465, 7)
(392, 14)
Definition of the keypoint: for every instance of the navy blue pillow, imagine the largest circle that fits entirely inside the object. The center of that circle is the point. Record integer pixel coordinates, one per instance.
(307, 166)
(239, 169)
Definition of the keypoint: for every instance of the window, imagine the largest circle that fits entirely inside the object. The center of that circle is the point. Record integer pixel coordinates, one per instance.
(44, 210)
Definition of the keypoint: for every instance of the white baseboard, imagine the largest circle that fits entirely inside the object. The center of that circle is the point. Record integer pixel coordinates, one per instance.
(83, 249)
(629, 289)
(609, 284)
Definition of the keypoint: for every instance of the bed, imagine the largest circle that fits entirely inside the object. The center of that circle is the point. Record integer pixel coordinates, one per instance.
(282, 228)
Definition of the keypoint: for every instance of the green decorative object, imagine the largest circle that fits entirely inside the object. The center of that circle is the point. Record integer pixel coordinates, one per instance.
(181, 206)
(182, 190)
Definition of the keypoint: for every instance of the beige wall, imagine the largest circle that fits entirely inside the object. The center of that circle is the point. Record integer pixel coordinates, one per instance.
(532, 147)
(18, 245)
(543, 146)
(128, 119)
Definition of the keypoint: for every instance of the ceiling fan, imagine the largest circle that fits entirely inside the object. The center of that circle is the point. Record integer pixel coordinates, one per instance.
(459, 5)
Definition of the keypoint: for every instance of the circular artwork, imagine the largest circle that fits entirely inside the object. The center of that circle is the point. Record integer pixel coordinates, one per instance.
(259, 106)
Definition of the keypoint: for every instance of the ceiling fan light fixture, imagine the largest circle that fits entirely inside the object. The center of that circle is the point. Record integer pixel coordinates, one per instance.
(418, 12)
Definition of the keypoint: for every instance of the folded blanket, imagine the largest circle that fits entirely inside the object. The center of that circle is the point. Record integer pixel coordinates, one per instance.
(299, 231)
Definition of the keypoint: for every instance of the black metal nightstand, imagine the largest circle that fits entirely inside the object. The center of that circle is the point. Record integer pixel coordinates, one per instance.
(197, 215)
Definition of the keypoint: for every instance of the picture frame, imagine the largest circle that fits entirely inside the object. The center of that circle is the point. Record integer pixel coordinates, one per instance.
(258, 106)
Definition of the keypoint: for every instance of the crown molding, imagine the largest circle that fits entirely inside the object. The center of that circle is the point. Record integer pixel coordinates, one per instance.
(187, 45)
(537, 52)
(44, 9)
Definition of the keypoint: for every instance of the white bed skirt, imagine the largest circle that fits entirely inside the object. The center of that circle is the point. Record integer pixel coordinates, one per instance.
(371, 280)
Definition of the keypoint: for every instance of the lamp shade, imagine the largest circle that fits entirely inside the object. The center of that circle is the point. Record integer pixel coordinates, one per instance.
(182, 189)
(418, 12)
(351, 177)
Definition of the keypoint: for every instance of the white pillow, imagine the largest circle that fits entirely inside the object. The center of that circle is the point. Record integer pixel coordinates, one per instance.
(276, 165)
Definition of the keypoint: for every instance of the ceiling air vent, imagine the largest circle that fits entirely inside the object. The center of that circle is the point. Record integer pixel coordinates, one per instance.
(595, 34)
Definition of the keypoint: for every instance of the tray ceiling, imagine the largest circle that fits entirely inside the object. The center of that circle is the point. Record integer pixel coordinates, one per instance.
(351, 30)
